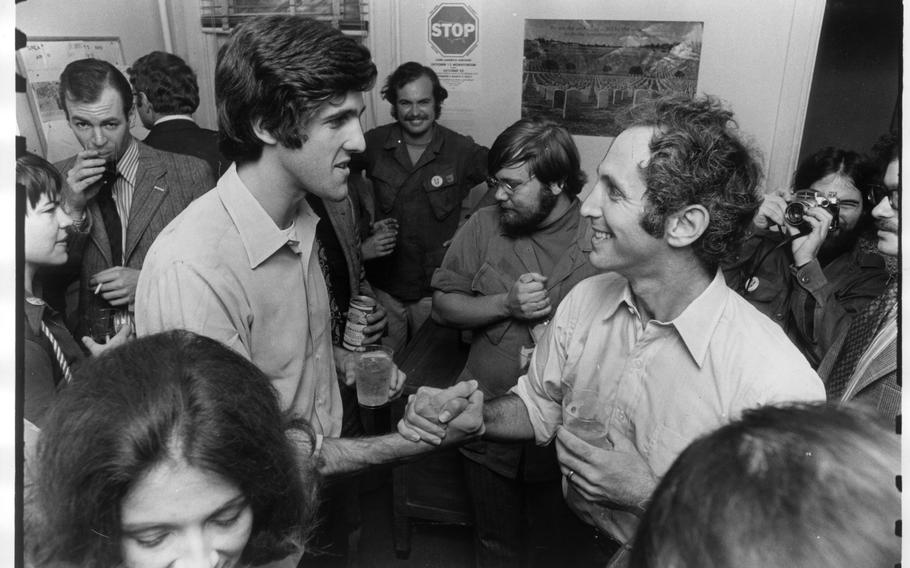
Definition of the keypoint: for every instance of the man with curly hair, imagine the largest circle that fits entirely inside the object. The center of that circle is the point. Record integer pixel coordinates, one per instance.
(656, 351)
(167, 95)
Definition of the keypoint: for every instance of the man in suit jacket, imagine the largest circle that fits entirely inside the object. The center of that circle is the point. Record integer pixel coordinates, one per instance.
(862, 364)
(120, 192)
(166, 96)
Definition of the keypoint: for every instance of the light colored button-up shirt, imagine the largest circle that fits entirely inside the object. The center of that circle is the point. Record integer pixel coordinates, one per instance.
(659, 384)
(224, 269)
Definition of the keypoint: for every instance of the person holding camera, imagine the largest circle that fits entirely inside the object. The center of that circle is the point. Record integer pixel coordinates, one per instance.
(810, 262)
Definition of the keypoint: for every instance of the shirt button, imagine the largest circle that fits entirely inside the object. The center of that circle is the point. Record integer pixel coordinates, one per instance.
(779, 316)
(803, 279)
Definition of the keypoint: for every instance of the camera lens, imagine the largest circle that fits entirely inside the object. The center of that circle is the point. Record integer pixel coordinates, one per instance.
(794, 213)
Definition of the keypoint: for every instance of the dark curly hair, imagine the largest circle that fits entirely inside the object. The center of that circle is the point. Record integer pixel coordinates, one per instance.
(279, 70)
(548, 149)
(407, 73)
(698, 158)
(167, 81)
(173, 395)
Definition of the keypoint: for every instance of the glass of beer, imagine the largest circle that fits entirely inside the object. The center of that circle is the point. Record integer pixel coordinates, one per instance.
(371, 370)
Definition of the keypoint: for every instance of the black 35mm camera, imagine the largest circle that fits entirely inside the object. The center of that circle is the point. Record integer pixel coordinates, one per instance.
(806, 199)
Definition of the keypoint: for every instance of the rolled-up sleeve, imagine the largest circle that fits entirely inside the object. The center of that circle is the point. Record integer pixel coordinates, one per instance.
(541, 388)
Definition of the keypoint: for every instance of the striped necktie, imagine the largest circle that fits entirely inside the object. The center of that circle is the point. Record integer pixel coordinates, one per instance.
(58, 353)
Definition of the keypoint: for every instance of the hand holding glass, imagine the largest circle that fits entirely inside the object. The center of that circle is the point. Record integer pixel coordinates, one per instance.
(371, 371)
(585, 416)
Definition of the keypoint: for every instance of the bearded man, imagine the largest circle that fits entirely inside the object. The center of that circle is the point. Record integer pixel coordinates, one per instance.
(504, 274)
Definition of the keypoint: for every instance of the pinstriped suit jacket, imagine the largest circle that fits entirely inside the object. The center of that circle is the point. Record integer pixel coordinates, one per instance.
(165, 184)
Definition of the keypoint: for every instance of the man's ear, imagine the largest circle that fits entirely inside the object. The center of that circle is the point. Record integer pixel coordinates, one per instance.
(557, 188)
(263, 134)
(143, 101)
(687, 225)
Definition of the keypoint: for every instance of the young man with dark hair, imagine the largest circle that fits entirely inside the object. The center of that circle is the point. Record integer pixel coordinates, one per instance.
(119, 192)
(166, 97)
(504, 274)
(805, 485)
(813, 278)
(242, 264)
(640, 360)
(421, 172)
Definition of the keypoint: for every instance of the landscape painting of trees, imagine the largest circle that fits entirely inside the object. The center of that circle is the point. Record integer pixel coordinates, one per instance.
(583, 72)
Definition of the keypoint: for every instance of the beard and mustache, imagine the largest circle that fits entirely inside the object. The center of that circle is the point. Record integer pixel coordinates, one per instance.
(518, 222)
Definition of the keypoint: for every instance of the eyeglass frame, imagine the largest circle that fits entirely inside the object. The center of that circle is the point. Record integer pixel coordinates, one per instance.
(878, 192)
(496, 183)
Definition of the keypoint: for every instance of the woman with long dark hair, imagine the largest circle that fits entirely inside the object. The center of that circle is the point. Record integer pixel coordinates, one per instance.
(170, 450)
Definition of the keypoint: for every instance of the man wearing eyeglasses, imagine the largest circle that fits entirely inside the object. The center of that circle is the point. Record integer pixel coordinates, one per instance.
(810, 262)
(421, 172)
(502, 278)
(862, 363)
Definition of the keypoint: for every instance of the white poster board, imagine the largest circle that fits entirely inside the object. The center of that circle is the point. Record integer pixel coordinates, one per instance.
(41, 61)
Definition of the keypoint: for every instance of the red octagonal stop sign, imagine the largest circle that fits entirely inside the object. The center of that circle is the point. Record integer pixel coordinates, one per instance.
(453, 29)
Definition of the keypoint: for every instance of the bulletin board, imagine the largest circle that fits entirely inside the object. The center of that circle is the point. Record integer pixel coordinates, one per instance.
(41, 61)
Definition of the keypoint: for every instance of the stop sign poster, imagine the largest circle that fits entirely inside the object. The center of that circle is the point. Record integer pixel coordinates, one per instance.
(453, 39)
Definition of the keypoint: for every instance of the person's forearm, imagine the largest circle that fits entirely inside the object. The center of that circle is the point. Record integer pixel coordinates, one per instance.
(454, 309)
(347, 456)
(506, 419)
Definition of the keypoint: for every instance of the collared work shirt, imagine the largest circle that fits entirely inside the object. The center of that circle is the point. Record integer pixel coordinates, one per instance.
(661, 385)
(224, 269)
(425, 197)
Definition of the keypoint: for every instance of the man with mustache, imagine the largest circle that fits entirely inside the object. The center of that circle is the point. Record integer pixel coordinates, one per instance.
(813, 278)
(502, 278)
(421, 172)
(120, 192)
(862, 363)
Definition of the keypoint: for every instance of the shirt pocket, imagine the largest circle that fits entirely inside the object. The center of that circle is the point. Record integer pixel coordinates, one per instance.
(387, 182)
(442, 192)
(490, 281)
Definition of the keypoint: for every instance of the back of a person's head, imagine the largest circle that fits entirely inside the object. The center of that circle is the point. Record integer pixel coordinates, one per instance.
(170, 396)
(83, 80)
(277, 71)
(37, 177)
(698, 157)
(167, 81)
(546, 147)
(812, 486)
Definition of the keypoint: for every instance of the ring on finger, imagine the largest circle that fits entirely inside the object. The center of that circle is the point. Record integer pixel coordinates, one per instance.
(570, 474)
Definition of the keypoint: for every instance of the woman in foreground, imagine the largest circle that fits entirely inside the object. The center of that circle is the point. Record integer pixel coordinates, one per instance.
(168, 451)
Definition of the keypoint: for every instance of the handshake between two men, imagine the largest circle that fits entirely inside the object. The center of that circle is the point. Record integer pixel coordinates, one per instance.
(607, 472)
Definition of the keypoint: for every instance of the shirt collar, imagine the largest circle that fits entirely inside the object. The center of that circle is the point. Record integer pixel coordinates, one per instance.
(396, 138)
(128, 163)
(259, 234)
(697, 322)
(170, 117)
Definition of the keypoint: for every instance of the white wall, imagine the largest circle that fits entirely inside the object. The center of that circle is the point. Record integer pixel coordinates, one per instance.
(135, 22)
(757, 55)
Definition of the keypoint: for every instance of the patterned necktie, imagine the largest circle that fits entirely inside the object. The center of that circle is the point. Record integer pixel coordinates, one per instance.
(860, 335)
(110, 217)
(58, 353)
